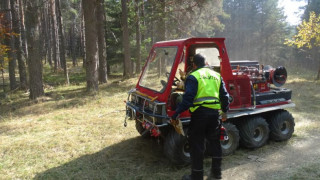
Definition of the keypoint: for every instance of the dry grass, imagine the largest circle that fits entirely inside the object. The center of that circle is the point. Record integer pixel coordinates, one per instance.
(71, 135)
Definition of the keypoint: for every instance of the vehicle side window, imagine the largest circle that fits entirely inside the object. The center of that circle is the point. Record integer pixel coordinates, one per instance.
(211, 54)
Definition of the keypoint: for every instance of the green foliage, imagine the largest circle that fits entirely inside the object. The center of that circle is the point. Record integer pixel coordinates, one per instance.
(113, 32)
(308, 33)
(70, 13)
(161, 20)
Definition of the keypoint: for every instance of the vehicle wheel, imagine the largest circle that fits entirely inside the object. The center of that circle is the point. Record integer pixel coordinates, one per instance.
(281, 125)
(141, 130)
(176, 148)
(254, 132)
(229, 146)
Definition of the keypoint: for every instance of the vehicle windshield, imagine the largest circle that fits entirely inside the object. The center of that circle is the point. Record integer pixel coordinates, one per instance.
(158, 69)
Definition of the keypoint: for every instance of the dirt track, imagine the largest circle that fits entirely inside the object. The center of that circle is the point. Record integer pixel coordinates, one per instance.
(297, 158)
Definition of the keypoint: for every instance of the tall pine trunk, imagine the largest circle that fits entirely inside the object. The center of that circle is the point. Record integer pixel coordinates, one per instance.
(316, 56)
(73, 44)
(2, 73)
(62, 43)
(83, 38)
(34, 61)
(125, 41)
(91, 43)
(101, 42)
(9, 41)
(138, 37)
(23, 29)
(54, 38)
(18, 45)
(49, 34)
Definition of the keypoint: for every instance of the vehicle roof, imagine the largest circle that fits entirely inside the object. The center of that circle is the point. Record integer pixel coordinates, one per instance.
(189, 40)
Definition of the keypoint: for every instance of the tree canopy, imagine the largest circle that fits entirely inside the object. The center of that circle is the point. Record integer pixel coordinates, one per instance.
(308, 36)
(308, 33)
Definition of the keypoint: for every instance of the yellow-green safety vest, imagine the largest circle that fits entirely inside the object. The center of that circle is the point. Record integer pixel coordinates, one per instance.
(209, 83)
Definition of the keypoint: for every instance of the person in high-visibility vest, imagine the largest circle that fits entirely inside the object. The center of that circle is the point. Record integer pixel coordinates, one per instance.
(205, 94)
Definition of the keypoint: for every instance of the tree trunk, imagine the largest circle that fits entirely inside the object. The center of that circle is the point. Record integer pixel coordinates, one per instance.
(101, 42)
(142, 22)
(73, 44)
(90, 22)
(317, 58)
(318, 75)
(54, 38)
(62, 43)
(2, 72)
(83, 39)
(138, 37)
(23, 29)
(18, 45)
(34, 62)
(43, 34)
(161, 27)
(49, 34)
(125, 41)
(9, 41)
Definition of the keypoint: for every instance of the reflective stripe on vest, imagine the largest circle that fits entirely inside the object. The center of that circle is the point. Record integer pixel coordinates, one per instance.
(208, 89)
(205, 99)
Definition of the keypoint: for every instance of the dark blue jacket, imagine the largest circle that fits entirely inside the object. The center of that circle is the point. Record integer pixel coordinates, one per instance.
(191, 88)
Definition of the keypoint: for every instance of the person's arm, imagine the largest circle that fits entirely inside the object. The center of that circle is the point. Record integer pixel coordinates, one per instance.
(188, 97)
(224, 97)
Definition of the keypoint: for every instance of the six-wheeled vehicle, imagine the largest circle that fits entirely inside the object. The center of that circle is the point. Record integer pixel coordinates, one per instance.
(258, 103)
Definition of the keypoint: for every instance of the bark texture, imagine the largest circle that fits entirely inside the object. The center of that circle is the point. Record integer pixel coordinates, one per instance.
(91, 43)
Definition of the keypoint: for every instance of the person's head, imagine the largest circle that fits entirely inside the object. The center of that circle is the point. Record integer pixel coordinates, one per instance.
(198, 61)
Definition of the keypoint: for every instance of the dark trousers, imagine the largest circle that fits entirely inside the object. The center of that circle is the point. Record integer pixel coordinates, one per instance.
(205, 124)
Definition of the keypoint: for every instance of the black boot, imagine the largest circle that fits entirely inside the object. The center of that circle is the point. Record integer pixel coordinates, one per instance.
(215, 174)
(195, 175)
(216, 168)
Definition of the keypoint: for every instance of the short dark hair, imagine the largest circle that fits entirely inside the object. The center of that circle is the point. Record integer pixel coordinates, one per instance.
(199, 60)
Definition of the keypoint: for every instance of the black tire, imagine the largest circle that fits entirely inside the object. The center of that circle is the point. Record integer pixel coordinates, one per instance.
(231, 145)
(142, 131)
(176, 148)
(254, 132)
(281, 125)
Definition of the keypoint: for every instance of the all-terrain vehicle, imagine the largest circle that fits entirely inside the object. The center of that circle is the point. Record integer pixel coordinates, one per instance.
(257, 101)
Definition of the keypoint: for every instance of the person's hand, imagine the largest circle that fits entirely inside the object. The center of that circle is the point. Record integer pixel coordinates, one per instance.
(182, 75)
(174, 120)
(224, 116)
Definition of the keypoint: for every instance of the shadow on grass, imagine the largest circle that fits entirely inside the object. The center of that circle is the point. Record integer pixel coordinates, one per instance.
(140, 158)
(136, 158)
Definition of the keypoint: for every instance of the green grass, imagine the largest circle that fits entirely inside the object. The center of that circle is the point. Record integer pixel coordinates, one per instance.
(69, 134)
(310, 171)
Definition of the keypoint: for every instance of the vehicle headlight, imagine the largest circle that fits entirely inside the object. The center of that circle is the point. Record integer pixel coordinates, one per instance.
(133, 98)
(151, 106)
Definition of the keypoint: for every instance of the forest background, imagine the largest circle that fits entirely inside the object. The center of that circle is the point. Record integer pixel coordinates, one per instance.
(67, 64)
(115, 36)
